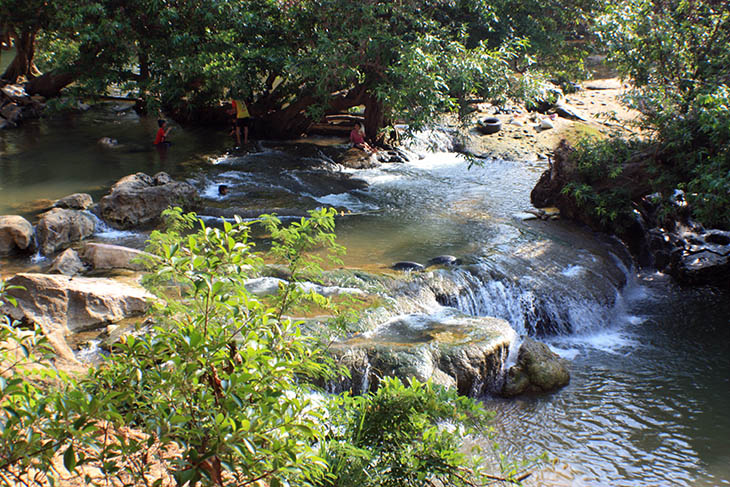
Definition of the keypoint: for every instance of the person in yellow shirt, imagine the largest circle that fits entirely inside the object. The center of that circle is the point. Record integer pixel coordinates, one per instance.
(243, 120)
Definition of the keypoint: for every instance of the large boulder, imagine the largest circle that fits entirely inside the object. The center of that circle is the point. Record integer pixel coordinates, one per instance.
(61, 305)
(538, 370)
(138, 200)
(16, 233)
(59, 227)
(99, 256)
(457, 351)
(76, 201)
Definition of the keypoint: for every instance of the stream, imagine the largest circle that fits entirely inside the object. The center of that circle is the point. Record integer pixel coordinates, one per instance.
(650, 388)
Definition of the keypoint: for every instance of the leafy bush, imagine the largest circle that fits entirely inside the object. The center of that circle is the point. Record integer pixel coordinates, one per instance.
(41, 411)
(598, 165)
(676, 53)
(222, 376)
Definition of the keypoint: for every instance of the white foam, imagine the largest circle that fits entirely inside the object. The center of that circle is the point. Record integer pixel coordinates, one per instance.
(610, 340)
(566, 353)
(573, 271)
(38, 258)
(344, 200)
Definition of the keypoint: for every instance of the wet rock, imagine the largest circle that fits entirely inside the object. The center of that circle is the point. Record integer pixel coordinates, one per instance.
(76, 201)
(394, 155)
(358, 159)
(67, 263)
(59, 227)
(538, 370)
(138, 200)
(447, 260)
(12, 113)
(16, 233)
(321, 183)
(263, 286)
(99, 256)
(232, 212)
(407, 266)
(701, 258)
(61, 305)
(457, 351)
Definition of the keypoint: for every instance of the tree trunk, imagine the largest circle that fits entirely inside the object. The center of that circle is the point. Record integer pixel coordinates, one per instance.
(374, 117)
(49, 84)
(22, 64)
(293, 120)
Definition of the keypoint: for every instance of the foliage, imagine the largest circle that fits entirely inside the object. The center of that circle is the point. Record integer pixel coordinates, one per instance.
(594, 187)
(42, 413)
(402, 60)
(406, 435)
(676, 52)
(222, 376)
(218, 391)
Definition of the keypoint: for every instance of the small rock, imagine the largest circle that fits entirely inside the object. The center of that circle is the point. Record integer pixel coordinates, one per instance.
(76, 201)
(407, 266)
(16, 233)
(538, 370)
(448, 260)
(524, 216)
(546, 124)
(67, 263)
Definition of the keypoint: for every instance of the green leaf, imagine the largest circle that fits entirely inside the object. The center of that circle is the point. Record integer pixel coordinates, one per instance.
(69, 459)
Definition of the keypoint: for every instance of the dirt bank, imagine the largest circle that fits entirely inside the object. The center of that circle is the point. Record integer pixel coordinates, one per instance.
(597, 103)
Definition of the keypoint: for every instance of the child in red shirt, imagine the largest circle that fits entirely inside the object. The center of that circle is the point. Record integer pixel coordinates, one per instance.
(162, 132)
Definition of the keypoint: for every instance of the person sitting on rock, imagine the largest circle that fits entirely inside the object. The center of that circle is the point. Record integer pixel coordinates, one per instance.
(161, 138)
(357, 137)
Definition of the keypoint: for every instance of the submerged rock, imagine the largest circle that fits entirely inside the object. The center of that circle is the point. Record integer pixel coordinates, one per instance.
(16, 233)
(59, 227)
(264, 286)
(61, 305)
(457, 351)
(538, 370)
(446, 260)
(138, 200)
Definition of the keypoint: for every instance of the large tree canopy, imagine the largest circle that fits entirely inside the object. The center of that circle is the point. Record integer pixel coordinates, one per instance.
(292, 61)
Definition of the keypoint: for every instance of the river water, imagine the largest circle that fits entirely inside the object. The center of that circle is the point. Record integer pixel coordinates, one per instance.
(649, 395)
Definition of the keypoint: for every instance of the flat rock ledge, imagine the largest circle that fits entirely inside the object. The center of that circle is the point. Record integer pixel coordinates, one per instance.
(63, 305)
(460, 352)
